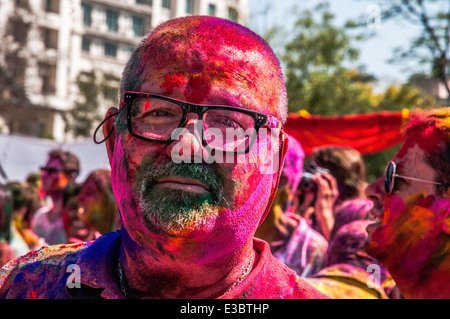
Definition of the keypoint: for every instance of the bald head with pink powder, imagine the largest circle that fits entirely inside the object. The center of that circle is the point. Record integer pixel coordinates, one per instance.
(203, 50)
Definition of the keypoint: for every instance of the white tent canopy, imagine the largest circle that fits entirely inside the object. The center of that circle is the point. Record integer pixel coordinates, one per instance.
(22, 155)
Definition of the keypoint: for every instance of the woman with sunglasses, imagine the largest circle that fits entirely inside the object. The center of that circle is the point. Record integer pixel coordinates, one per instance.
(411, 235)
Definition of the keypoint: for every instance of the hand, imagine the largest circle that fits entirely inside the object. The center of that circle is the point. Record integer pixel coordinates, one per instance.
(327, 193)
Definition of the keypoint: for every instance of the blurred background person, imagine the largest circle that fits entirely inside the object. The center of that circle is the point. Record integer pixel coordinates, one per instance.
(26, 201)
(60, 170)
(289, 235)
(12, 245)
(6, 251)
(335, 175)
(35, 179)
(91, 210)
(349, 272)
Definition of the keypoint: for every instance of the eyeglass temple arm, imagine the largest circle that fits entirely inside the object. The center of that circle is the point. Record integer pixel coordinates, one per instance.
(100, 125)
(417, 179)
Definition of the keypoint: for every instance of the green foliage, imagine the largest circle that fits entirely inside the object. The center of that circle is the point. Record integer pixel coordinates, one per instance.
(376, 162)
(319, 80)
(431, 47)
(94, 89)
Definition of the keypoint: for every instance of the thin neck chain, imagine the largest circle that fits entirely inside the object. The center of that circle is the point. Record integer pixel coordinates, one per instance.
(244, 274)
(123, 283)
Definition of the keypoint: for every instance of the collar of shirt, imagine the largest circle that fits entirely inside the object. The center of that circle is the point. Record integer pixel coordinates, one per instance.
(98, 266)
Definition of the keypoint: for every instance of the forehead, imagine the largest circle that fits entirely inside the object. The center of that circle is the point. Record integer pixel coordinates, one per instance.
(413, 162)
(54, 162)
(203, 65)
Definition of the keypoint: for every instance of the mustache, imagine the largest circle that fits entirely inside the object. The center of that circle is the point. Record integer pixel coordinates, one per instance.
(203, 172)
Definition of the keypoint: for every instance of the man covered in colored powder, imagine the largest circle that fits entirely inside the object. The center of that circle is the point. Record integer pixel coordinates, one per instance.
(412, 204)
(190, 196)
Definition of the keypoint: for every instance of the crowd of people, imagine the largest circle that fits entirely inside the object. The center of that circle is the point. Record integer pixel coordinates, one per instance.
(51, 207)
(193, 224)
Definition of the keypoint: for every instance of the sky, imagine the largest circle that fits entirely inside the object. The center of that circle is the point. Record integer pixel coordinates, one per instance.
(374, 52)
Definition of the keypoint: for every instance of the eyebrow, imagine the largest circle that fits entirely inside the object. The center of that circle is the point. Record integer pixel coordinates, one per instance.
(232, 101)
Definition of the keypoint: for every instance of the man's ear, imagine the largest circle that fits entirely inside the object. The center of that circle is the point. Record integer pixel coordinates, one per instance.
(284, 147)
(108, 128)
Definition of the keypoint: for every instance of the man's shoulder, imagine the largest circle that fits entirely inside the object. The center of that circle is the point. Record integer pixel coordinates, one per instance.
(48, 264)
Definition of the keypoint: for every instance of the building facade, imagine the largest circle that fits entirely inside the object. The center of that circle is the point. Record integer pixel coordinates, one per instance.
(76, 41)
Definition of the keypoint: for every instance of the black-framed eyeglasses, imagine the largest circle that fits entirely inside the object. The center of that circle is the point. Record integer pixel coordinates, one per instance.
(156, 118)
(390, 175)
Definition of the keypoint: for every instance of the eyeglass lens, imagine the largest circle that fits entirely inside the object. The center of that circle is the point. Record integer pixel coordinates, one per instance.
(389, 176)
(223, 129)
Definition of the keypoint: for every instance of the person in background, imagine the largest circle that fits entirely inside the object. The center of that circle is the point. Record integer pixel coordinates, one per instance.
(60, 170)
(411, 234)
(340, 177)
(289, 235)
(26, 201)
(35, 179)
(348, 269)
(93, 211)
(6, 251)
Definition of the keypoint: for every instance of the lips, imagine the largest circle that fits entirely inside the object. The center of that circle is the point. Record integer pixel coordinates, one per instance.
(376, 215)
(186, 184)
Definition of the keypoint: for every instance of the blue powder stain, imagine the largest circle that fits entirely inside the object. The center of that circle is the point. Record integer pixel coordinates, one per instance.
(18, 277)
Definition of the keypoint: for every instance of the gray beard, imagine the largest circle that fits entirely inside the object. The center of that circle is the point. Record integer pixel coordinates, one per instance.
(175, 211)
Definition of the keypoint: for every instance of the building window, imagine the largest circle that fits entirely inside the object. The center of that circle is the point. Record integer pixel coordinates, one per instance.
(86, 44)
(19, 29)
(110, 49)
(52, 6)
(47, 72)
(50, 38)
(146, 2)
(112, 20)
(87, 10)
(166, 4)
(212, 10)
(23, 4)
(190, 6)
(138, 27)
(232, 14)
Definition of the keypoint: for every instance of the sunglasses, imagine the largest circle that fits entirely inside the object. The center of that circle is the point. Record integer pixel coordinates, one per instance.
(49, 170)
(390, 175)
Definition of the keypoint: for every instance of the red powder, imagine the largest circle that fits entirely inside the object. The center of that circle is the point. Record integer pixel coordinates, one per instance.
(147, 105)
(172, 81)
(198, 88)
(425, 134)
